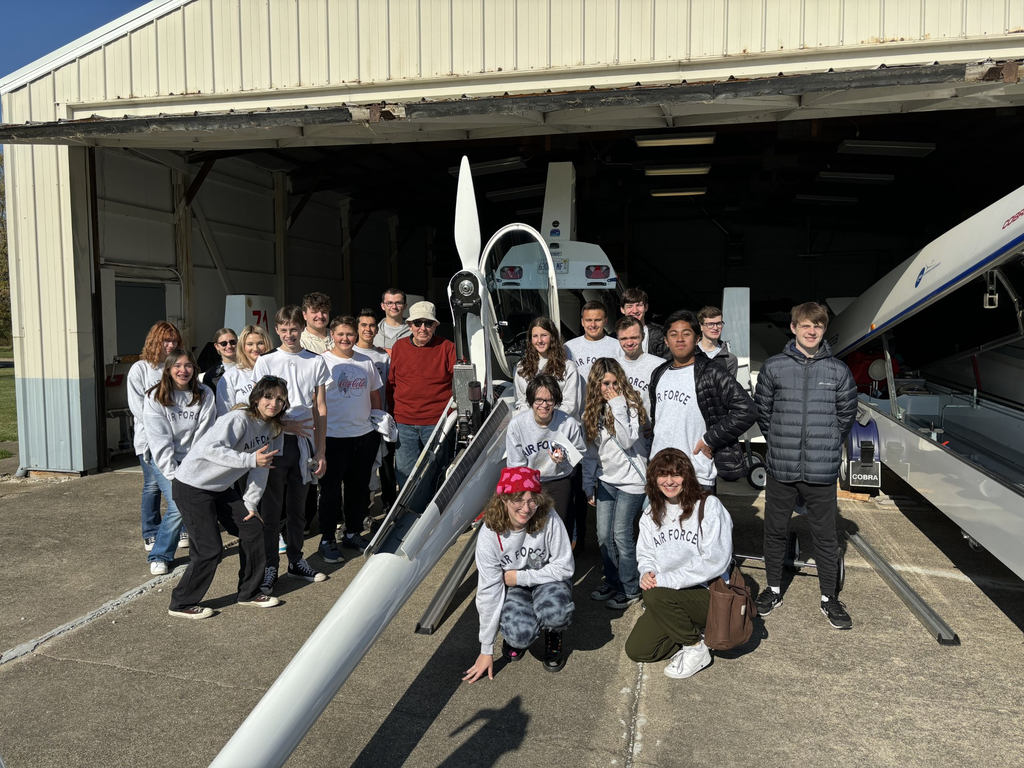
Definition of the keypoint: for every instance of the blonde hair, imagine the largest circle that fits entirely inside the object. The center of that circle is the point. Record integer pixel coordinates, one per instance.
(496, 513)
(597, 410)
(243, 359)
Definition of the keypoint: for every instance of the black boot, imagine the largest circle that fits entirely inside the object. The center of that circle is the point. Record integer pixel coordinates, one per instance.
(554, 656)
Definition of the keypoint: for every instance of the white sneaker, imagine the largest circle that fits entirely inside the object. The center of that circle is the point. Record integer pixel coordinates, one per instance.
(689, 661)
(158, 568)
(281, 546)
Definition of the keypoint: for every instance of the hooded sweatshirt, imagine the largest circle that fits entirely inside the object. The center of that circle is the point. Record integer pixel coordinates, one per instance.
(605, 460)
(541, 558)
(681, 556)
(528, 444)
(570, 384)
(233, 388)
(172, 430)
(226, 452)
(142, 377)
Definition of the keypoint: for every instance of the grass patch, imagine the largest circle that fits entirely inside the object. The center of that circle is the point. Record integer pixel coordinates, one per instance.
(6, 352)
(5, 454)
(8, 407)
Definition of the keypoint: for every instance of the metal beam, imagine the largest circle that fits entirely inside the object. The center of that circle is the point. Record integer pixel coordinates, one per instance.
(211, 246)
(194, 187)
(297, 210)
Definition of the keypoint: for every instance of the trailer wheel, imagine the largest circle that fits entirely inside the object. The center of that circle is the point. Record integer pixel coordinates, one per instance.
(841, 574)
(757, 476)
(844, 468)
(792, 554)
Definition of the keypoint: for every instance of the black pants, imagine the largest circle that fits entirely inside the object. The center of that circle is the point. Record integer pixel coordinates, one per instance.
(285, 498)
(579, 506)
(388, 480)
(822, 513)
(349, 461)
(560, 491)
(201, 511)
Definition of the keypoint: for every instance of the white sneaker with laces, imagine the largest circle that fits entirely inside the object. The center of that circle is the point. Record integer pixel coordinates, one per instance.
(689, 661)
(158, 568)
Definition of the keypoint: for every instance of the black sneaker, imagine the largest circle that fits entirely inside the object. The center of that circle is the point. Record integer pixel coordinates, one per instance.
(621, 602)
(836, 613)
(768, 601)
(302, 570)
(355, 541)
(554, 657)
(510, 653)
(269, 580)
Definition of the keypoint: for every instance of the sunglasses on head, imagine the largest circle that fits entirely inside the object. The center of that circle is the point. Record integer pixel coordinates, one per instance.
(421, 323)
(231, 343)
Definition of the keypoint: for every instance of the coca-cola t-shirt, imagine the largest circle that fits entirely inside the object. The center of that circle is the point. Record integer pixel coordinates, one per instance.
(348, 390)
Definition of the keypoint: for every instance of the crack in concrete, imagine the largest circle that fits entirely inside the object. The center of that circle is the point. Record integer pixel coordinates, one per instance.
(634, 716)
(180, 678)
(111, 605)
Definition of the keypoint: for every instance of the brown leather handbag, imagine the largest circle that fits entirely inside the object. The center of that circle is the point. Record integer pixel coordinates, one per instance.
(731, 608)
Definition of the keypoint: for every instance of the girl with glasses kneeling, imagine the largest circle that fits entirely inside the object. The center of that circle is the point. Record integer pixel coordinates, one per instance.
(525, 567)
(679, 554)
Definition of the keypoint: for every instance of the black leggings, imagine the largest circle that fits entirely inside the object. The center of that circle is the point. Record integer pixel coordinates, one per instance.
(560, 491)
(349, 461)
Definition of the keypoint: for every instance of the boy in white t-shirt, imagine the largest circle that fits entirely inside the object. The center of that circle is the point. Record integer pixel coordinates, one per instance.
(302, 460)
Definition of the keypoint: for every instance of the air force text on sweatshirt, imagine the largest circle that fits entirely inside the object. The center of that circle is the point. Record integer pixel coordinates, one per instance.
(617, 461)
(544, 557)
(141, 378)
(226, 452)
(304, 372)
(234, 388)
(585, 353)
(679, 553)
(528, 444)
(570, 385)
(680, 422)
(172, 430)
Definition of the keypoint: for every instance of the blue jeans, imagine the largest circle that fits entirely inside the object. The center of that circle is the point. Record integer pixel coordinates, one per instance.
(170, 526)
(616, 511)
(150, 499)
(411, 440)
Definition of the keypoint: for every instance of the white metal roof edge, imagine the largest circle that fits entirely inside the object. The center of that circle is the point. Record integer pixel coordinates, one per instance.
(87, 43)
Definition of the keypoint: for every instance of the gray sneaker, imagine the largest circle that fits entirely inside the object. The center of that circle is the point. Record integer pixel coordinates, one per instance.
(621, 602)
(329, 552)
(602, 593)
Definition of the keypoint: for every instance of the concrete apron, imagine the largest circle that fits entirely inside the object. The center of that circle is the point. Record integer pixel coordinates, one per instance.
(132, 685)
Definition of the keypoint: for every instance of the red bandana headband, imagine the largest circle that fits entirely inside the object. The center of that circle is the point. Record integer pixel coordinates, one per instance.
(519, 479)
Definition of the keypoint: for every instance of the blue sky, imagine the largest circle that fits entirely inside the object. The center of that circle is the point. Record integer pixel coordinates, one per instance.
(34, 28)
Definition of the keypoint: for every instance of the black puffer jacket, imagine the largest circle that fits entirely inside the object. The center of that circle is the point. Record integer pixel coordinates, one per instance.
(806, 407)
(727, 409)
(656, 341)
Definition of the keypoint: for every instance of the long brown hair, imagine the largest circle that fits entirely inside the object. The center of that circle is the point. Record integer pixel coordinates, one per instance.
(264, 388)
(160, 332)
(163, 391)
(242, 359)
(496, 513)
(556, 352)
(596, 407)
(672, 461)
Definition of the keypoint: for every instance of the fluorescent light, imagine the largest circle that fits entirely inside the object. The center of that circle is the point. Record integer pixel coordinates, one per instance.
(529, 211)
(516, 193)
(676, 170)
(901, 148)
(687, 192)
(675, 139)
(856, 178)
(825, 200)
(491, 166)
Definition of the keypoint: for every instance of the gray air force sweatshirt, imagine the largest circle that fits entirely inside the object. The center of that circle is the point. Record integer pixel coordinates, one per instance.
(677, 554)
(606, 461)
(226, 452)
(172, 430)
(141, 378)
(527, 444)
(544, 557)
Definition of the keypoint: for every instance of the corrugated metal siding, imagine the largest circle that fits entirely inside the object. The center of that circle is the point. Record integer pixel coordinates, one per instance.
(222, 47)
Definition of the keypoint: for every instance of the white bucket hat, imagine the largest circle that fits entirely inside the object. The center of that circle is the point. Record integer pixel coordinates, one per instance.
(422, 310)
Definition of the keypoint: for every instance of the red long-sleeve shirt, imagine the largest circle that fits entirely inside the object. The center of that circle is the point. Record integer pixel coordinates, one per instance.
(420, 380)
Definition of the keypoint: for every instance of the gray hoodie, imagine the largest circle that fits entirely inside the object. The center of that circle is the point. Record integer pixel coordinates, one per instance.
(544, 557)
(677, 554)
(173, 429)
(527, 444)
(141, 378)
(570, 385)
(607, 461)
(226, 452)
(233, 388)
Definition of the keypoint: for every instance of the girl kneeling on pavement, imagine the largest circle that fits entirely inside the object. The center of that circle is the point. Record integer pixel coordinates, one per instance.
(176, 413)
(243, 440)
(614, 477)
(525, 566)
(678, 556)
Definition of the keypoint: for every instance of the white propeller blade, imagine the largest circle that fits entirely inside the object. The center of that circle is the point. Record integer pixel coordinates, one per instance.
(467, 223)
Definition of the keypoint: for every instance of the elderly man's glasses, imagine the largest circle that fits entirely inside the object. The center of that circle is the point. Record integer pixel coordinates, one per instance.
(421, 323)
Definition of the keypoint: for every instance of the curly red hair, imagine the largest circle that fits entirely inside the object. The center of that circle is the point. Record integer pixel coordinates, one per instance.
(152, 350)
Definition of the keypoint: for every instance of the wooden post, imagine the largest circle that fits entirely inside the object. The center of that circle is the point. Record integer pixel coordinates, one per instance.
(183, 257)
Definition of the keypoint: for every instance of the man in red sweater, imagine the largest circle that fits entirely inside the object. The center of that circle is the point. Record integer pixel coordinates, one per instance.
(419, 387)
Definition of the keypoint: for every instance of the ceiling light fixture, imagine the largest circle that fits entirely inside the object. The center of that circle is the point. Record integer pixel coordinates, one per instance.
(515, 193)
(491, 166)
(675, 139)
(899, 148)
(676, 170)
(687, 192)
(856, 178)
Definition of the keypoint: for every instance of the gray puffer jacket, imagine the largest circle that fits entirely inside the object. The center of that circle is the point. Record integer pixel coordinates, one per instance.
(805, 408)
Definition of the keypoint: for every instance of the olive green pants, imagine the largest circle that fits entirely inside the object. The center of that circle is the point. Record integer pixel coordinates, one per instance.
(672, 618)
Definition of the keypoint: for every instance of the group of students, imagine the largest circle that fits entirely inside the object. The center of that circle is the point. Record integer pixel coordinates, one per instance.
(243, 447)
(591, 412)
